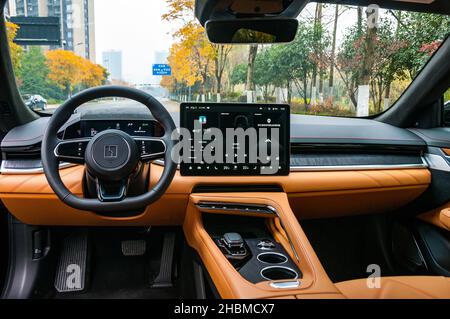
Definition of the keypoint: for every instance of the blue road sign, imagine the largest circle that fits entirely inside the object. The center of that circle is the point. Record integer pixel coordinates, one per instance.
(162, 69)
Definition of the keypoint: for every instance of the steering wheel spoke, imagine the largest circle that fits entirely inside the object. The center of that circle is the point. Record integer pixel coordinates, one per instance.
(111, 191)
(72, 150)
(150, 148)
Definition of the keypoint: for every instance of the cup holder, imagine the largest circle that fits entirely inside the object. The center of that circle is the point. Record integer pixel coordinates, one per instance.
(278, 273)
(272, 258)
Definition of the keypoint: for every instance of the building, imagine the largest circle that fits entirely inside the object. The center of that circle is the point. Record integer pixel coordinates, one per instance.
(160, 57)
(77, 16)
(112, 61)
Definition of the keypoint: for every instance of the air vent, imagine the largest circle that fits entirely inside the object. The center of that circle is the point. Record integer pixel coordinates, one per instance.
(32, 152)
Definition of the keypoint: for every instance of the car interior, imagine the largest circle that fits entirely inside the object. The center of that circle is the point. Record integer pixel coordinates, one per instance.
(359, 208)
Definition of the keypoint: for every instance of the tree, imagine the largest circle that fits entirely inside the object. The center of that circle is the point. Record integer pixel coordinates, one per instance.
(252, 51)
(34, 72)
(199, 52)
(239, 74)
(93, 74)
(422, 32)
(221, 53)
(15, 50)
(181, 10)
(388, 62)
(68, 70)
(333, 49)
(206, 58)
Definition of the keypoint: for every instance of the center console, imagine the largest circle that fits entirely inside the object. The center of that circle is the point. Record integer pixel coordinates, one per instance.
(252, 246)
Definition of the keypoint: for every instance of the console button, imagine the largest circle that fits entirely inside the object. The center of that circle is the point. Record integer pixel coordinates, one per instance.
(266, 244)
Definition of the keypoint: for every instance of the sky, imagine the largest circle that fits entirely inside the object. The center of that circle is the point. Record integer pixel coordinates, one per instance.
(135, 28)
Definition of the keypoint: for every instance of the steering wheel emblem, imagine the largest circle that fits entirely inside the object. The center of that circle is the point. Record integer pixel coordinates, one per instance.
(110, 151)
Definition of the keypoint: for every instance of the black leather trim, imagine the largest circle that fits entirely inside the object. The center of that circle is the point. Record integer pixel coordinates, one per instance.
(438, 137)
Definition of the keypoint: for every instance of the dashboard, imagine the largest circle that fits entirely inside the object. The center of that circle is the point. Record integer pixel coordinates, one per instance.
(328, 156)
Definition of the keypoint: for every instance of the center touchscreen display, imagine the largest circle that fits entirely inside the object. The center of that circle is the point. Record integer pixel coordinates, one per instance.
(234, 139)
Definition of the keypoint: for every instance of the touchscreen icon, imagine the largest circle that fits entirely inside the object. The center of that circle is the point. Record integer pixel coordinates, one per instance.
(202, 119)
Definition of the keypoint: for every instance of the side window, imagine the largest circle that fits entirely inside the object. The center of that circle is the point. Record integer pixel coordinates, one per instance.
(447, 108)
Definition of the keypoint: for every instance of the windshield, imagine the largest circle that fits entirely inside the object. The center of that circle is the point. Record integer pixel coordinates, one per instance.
(345, 60)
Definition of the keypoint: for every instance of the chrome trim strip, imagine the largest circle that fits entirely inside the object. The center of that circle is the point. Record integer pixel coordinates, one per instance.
(225, 206)
(71, 141)
(358, 167)
(295, 168)
(285, 284)
(21, 171)
(283, 267)
(151, 155)
(437, 162)
(285, 259)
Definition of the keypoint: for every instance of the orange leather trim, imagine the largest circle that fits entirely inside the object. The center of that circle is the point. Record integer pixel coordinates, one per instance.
(352, 202)
(311, 194)
(229, 283)
(321, 296)
(446, 151)
(439, 217)
(408, 287)
(46, 209)
(37, 183)
(31, 200)
(306, 182)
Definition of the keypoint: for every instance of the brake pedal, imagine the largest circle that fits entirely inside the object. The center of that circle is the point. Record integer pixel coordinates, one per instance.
(164, 278)
(133, 247)
(71, 270)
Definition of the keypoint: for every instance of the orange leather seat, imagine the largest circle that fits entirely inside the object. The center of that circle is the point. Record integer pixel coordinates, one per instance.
(408, 287)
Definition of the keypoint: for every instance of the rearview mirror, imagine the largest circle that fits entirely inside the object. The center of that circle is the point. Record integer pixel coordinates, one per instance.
(252, 30)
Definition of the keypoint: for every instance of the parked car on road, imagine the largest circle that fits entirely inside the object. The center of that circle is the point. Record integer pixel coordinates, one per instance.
(35, 101)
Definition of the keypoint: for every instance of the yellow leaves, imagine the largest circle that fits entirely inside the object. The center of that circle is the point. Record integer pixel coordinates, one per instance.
(16, 50)
(93, 74)
(168, 82)
(11, 30)
(190, 58)
(179, 9)
(67, 70)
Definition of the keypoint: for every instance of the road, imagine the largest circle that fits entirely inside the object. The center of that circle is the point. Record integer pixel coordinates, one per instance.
(171, 106)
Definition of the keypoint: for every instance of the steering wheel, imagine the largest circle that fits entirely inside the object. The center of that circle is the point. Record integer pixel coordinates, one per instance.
(111, 156)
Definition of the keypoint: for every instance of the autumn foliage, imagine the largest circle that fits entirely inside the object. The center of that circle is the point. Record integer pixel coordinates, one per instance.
(68, 70)
(16, 50)
(193, 58)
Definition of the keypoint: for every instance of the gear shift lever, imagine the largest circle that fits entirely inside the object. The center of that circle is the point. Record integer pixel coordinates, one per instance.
(232, 245)
(233, 240)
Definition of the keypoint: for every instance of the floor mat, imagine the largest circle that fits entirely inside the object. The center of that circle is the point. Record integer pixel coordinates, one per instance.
(114, 275)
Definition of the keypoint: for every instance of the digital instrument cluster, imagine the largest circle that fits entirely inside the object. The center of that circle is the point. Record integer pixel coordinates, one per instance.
(89, 128)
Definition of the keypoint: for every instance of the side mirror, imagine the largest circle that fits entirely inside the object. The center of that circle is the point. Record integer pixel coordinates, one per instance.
(252, 30)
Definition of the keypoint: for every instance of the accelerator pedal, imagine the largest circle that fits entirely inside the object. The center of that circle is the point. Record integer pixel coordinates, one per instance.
(164, 278)
(133, 247)
(71, 270)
